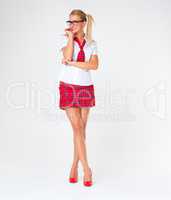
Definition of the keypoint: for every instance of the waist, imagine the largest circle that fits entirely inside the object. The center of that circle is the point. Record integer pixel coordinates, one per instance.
(66, 83)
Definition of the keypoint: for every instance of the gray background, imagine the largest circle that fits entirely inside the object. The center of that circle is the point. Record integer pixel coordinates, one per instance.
(128, 132)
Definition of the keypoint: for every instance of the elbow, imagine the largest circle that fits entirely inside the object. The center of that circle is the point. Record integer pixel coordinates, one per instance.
(68, 58)
(95, 65)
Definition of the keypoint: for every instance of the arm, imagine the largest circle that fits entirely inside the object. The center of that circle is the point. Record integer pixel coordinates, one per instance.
(91, 64)
(69, 48)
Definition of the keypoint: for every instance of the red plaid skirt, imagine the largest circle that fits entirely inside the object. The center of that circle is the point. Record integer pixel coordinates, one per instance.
(76, 95)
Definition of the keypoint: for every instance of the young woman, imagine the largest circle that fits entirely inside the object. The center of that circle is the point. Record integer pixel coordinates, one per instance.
(76, 87)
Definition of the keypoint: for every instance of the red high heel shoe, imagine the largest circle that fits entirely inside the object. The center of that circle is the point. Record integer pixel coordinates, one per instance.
(73, 179)
(88, 183)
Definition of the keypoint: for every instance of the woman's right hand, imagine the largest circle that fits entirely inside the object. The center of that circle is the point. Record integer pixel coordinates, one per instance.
(69, 33)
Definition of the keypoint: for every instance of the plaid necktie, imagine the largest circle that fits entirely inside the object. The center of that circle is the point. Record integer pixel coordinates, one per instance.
(81, 54)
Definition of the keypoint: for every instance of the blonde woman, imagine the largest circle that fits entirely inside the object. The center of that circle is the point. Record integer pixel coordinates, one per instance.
(76, 88)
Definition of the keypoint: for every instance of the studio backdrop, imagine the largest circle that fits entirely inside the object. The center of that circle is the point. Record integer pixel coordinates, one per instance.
(128, 132)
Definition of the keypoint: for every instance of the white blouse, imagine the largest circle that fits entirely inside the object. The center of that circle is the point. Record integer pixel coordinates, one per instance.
(74, 75)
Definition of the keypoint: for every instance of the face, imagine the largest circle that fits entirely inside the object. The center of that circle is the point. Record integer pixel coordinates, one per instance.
(76, 26)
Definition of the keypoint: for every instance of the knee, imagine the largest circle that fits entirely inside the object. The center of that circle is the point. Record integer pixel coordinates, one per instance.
(78, 126)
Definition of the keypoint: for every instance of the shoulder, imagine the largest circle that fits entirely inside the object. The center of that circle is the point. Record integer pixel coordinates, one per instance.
(93, 43)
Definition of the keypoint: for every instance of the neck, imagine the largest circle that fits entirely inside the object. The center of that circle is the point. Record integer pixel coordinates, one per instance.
(80, 35)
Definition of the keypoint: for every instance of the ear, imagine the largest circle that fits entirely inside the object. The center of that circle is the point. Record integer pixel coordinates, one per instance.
(84, 23)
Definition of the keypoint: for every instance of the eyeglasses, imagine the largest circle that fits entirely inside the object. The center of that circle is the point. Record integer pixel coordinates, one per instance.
(69, 22)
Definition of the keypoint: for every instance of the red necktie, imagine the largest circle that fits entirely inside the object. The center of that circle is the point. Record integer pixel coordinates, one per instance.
(81, 54)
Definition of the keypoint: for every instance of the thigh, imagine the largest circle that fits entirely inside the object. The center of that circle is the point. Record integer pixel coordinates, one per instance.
(74, 116)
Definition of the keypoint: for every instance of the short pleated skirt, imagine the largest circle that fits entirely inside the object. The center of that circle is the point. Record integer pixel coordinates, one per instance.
(72, 95)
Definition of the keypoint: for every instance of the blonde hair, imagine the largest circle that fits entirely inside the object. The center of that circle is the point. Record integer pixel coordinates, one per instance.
(85, 17)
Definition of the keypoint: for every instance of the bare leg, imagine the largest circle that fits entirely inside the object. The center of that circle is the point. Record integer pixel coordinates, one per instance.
(78, 125)
(84, 116)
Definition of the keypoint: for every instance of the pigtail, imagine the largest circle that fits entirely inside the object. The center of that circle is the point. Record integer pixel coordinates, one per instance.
(88, 33)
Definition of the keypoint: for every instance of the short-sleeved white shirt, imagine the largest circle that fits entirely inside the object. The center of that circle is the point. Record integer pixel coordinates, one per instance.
(74, 75)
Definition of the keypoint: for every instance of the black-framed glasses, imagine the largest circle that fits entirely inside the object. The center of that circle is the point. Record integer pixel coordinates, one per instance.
(69, 22)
